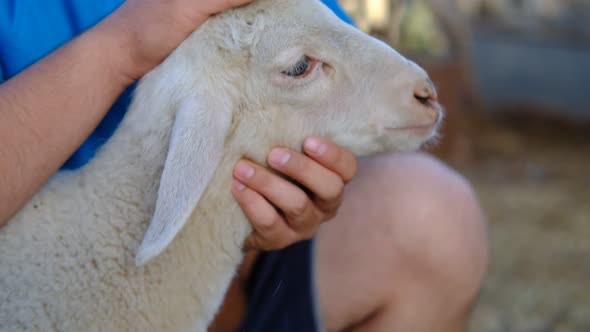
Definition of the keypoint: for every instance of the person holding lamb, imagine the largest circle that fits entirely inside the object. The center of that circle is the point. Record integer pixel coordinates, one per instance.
(405, 249)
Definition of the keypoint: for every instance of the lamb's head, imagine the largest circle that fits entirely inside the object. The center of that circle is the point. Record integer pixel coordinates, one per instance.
(310, 73)
(273, 73)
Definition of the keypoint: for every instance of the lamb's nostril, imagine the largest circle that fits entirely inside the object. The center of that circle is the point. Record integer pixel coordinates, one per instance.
(423, 100)
(425, 93)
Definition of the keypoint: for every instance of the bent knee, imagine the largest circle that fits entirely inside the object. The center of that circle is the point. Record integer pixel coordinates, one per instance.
(434, 220)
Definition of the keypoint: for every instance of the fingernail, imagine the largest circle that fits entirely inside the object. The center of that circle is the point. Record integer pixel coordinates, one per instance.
(279, 157)
(245, 170)
(316, 146)
(237, 185)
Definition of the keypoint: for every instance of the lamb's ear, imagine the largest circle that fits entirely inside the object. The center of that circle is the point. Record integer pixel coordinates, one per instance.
(196, 147)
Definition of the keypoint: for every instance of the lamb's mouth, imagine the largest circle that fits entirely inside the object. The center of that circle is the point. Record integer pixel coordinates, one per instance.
(419, 129)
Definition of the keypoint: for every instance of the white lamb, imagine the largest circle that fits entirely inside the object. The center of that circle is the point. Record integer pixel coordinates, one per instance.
(268, 74)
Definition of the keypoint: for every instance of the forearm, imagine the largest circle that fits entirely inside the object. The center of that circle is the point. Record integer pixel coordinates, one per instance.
(49, 109)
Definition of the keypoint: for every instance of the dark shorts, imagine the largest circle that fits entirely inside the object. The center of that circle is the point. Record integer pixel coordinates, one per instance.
(282, 296)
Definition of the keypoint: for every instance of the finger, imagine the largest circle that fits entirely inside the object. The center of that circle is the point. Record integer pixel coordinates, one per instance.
(324, 183)
(218, 6)
(301, 214)
(226, 4)
(329, 208)
(332, 156)
(270, 229)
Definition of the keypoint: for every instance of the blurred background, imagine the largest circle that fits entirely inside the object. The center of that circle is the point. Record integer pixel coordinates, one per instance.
(514, 78)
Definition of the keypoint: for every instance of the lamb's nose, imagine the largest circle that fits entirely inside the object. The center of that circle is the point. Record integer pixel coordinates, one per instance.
(425, 93)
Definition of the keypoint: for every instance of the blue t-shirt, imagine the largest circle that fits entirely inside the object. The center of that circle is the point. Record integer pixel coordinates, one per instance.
(31, 29)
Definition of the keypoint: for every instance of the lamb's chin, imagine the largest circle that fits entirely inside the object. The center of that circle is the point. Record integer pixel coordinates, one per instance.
(431, 141)
(378, 145)
(415, 143)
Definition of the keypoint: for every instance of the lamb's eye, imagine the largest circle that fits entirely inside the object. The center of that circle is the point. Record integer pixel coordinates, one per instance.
(300, 69)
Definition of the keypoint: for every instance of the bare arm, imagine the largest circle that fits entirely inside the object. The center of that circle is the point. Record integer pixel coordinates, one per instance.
(49, 109)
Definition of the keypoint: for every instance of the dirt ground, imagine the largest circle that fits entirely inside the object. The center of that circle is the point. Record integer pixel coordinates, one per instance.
(532, 176)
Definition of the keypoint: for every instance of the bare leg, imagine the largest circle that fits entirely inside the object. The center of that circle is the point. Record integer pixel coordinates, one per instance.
(407, 251)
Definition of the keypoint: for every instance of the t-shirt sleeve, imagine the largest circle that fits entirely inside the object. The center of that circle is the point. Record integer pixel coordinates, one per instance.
(337, 9)
(1, 74)
(6, 10)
